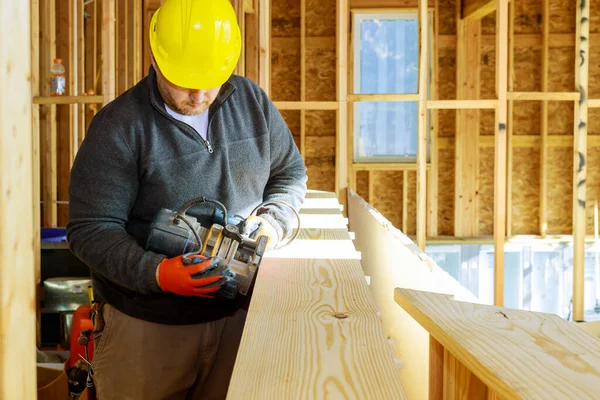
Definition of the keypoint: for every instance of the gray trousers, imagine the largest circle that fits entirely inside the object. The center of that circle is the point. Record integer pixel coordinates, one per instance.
(135, 359)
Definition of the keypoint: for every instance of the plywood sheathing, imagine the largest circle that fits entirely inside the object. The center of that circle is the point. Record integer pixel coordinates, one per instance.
(446, 192)
(362, 185)
(388, 186)
(560, 204)
(486, 191)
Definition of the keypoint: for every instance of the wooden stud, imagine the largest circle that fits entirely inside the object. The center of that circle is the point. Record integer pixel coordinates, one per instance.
(544, 116)
(510, 120)
(385, 166)
(341, 167)
(382, 97)
(436, 369)
(461, 104)
(17, 289)
(404, 201)
(251, 44)
(122, 36)
(264, 39)
(239, 6)
(68, 99)
(136, 41)
(467, 127)
(580, 156)
(542, 96)
(500, 150)
(352, 178)
(422, 126)
(108, 50)
(432, 179)
(303, 76)
(80, 82)
(48, 114)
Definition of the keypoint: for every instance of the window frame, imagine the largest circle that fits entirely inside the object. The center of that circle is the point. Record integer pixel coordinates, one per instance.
(358, 16)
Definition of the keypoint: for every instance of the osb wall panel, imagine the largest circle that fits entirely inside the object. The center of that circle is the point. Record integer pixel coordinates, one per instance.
(488, 24)
(485, 200)
(560, 190)
(527, 117)
(320, 123)
(525, 191)
(487, 120)
(446, 91)
(488, 72)
(446, 192)
(320, 17)
(285, 71)
(561, 77)
(411, 221)
(285, 18)
(528, 16)
(594, 16)
(320, 146)
(527, 76)
(321, 172)
(447, 12)
(594, 121)
(594, 69)
(388, 186)
(593, 186)
(362, 186)
(560, 117)
(320, 74)
(562, 16)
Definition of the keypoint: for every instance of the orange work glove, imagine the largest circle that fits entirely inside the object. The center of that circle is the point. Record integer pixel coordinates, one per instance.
(193, 275)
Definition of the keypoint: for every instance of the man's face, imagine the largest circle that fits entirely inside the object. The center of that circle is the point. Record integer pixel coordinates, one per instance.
(184, 101)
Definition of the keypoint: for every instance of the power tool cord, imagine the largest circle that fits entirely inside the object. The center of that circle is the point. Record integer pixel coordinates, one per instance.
(288, 206)
(181, 216)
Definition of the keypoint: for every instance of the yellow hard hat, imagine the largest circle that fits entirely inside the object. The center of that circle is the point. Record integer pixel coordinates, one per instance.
(196, 43)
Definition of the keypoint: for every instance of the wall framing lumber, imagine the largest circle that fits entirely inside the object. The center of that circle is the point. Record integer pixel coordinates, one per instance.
(422, 126)
(264, 40)
(461, 104)
(108, 50)
(433, 178)
(307, 105)
(500, 150)
(48, 116)
(251, 44)
(543, 96)
(544, 125)
(477, 9)
(580, 156)
(68, 99)
(510, 116)
(136, 42)
(382, 97)
(17, 275)
(303, 76)
(342, 131)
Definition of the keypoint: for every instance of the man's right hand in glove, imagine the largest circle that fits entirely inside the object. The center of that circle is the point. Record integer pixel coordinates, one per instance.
(193, 275)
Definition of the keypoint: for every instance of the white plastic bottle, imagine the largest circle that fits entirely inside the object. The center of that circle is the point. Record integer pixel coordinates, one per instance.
(58, 81)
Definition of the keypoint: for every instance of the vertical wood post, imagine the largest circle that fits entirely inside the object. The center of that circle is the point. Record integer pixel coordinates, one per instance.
(544, 131)
(580, 155)
(264, 39)
(17, 276)
(422, 125)
(341, 164)
(108, 50)
(432, 179)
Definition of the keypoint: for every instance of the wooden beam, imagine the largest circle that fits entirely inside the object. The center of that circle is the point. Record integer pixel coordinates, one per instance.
(303, 76)
(544, 121)
(341, 165)
(477, 9)
(510, 119)
(385, 166)
(248, 6)
(462, 104)
(17, 289)
(48, 115)
(432, 179)
(500, 150)
(580, 156)
(467, 127)
(307, 105)
(492, 341)
(352, 177)
(135, 42)
(382, 97)
(80, 82)
(519, 141)
(68, 99)
(422, 125)
(108, 50)
(251, 44)
(122, 45)
(264, 40)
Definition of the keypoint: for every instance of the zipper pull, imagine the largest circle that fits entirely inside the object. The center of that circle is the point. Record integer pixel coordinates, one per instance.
(208, 146)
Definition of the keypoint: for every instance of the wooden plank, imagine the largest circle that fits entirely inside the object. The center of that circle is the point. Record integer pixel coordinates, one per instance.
(461, 104)
(135, 41)
(458, 382)
(519, 141)
(523, 40)
(382, 97)
(543, 96)
(122, 48)
(80, 82)
(352, 174)
(467, 127)
(500, 150)
(477, 9)
(249, 6)
(384, 166)
(422, 125)
(594, 103)
(342, 127)
(307, 105)
(385, 4)
(510, 114)
(108, 51)
(17, 300)
(264, 40)
(303, 75)
(517, 354)
(251, 43)
(48, 115)
(68, 99)
(433, 177)
(436, 369)
(580, 156)
(544, 122)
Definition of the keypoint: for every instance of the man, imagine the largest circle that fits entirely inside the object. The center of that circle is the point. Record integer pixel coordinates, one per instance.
(188, 129)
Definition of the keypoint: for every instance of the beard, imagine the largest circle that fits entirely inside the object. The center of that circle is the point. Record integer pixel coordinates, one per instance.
(187, 108)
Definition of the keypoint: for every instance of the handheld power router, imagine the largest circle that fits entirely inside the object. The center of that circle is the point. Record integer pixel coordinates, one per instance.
(229, 238)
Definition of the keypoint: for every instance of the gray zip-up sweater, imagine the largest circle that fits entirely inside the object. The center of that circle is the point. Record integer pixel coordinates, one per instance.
(136, 159)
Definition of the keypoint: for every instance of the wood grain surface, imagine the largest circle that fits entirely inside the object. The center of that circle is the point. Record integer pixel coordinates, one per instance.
(517, 354)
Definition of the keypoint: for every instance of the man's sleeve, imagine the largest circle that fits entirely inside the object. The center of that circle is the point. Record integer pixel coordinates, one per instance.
(103, 189)
(287, 182)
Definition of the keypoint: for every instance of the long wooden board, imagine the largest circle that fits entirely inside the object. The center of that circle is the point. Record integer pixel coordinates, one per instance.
(518, 354)
(312, 330)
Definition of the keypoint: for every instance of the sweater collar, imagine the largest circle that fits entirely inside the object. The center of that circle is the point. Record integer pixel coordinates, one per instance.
(157, 101)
